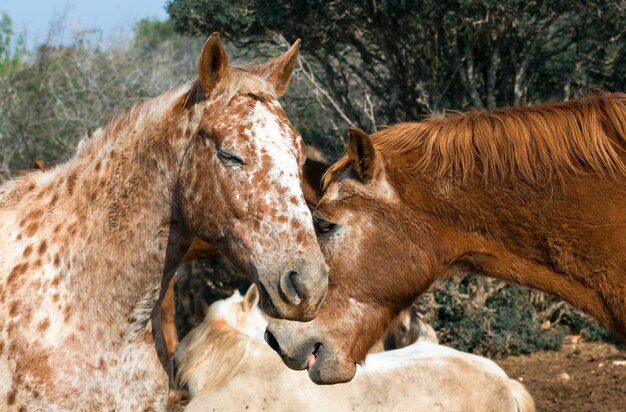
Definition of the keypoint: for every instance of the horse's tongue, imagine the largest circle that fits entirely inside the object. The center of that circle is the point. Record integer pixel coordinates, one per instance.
(310, 361)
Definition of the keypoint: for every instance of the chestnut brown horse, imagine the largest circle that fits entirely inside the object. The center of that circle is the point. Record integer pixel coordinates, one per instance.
(532, 195)
(87, 247)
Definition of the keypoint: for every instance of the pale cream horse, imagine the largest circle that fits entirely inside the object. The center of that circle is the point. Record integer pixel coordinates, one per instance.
(227, 366)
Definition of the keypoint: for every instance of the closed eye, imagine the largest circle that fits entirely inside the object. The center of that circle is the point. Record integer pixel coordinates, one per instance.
(230, 157)
(323, 226)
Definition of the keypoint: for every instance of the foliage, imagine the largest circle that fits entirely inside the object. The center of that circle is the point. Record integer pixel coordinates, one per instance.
(504, 325)
(151, 32)
(11, 47)
(394, 60)
(50, 102)
(588, 328)
(495, 319)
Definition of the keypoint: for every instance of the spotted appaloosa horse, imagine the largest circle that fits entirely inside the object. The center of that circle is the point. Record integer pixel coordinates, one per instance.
(532, 195)
(86, 247)
(312, 173)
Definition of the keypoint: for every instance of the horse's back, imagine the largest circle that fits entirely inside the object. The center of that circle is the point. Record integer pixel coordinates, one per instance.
(430, 377)
(422, 377)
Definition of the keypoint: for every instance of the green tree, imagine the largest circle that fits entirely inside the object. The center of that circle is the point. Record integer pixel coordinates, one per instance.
(389, 60)
(11, 47)
(152, 33)
(50, 100)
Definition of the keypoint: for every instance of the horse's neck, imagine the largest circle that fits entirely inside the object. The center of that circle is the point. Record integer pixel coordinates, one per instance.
(113, 230)
(524, 234)
(145, 230)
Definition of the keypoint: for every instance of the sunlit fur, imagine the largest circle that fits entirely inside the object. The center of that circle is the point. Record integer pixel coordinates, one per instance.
(87, 248)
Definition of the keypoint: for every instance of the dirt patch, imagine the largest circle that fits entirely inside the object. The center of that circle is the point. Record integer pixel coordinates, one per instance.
(580, 377)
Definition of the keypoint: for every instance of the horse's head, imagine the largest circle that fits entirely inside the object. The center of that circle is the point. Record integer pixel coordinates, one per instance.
(214, 351)
(241, 313)
(363, 229)
(240, 180)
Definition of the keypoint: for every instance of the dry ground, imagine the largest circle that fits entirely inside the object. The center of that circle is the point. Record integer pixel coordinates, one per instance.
(581, 377)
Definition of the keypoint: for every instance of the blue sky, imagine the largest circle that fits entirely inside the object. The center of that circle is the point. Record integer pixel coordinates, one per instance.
(34, 16)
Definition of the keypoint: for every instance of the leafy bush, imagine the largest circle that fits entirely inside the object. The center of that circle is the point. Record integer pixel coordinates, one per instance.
(585, 326)
(505, 325)
(495, 319)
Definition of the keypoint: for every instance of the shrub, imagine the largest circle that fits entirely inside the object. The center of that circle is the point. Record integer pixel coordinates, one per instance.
(495, 319)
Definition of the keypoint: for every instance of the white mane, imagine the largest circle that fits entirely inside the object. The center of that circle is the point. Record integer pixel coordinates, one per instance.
(215, 350)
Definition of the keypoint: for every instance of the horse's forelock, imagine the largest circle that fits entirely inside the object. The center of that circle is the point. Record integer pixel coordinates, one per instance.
(242, 79)
(335, 171)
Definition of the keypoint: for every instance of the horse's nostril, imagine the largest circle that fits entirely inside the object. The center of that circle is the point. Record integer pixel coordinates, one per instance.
(291, 288)
(293, 278)
(299, 285)
(271, 340)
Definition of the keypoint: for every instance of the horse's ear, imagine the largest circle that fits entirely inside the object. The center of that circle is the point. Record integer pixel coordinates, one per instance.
(278, 71)
(362, 154)
(213, 64)
(39, 165)
(205, 307)
(251, 299)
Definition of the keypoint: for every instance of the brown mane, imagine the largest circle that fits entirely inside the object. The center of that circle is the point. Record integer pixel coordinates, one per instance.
(535, 143)
(468, 194)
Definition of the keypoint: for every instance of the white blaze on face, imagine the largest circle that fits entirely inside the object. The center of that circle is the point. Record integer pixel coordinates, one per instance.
(277, 153)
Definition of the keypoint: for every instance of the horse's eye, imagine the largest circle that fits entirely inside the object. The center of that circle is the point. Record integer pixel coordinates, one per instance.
(229, 157)
(322, 226)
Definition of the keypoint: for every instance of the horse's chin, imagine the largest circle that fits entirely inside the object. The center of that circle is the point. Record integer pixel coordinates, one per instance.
(300, 349)
(328, 368)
